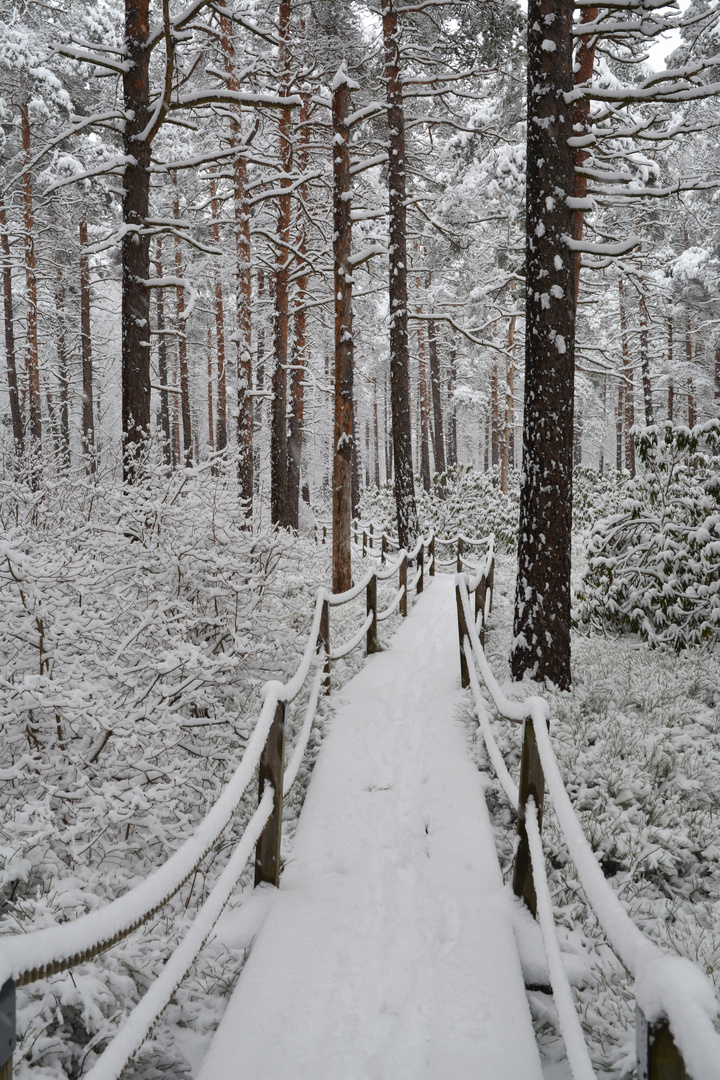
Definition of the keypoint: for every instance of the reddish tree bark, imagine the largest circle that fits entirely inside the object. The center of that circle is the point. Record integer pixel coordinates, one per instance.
(211, 417)
(219, 323)
(9, 318)
(181, 329)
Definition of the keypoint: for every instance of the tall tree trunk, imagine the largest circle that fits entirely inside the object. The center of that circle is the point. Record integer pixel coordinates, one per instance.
(629, 388)
(245, 420)
(299, 352)
(88, 422)
(259, 379)
(645, 363)
(32, 360)
(619, 417)
(182, 344)
(278, 435)
(376, 427)
(135, 247)
(343, 435)
(541, 645)
(692, 408)
(162, 360)
(671, 384)
(63, 373)
(495, 416)
(423, 409)
(211, 412)
(452, 415)
(440, 465)
(407, 521)
(219, 323)
(584, 64)
(10, 356)
(509, 408)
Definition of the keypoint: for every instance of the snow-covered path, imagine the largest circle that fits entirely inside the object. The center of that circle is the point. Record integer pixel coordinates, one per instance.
(388, 951)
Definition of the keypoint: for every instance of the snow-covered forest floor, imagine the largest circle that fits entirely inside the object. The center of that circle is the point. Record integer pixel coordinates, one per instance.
(638, 742)
(137, 631)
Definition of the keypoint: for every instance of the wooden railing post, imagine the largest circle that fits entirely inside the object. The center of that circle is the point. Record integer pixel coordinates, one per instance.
(658, 1057)
(532, 783)
(491, 583)
(8, 1035)
(462, 634)
(372, 633)
(324, 533)
(364, 549)
(324, 643)
(402, 584)
(431, 554)
(272, 762)
(480, 594)
(461, 548)
(372, 533)
(421, 567)
(383, 549)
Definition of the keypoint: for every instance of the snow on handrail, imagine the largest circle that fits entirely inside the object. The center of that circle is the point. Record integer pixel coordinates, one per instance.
(354, 641)
(665, 985)
(383, 615)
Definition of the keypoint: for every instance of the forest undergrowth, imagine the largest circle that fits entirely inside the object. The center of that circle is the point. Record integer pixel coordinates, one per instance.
(138, 628)
(638, 742)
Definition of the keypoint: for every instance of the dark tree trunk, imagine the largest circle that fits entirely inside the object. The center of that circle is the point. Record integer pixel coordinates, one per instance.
(495, 416)
(584, 64)
(182, 346)
(645, 363)
(63, 373)
(135, 248)
(399, 353)
(32, 360)
(259, 379)
(629, 387)
(297, 379)
(509, 409)
(692, 408)
(541, 645)
(440, 464)
(343, 436)
(376, 430)
(278, 435)
(671, 383)
(10, 356)
(424, 411)
(221, 441)
(452, 415)
(88, 422)
(211, 411)
(162, 359)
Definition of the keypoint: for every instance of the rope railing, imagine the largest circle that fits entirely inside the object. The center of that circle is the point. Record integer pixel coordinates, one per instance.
(676, 1004)
(39, 953)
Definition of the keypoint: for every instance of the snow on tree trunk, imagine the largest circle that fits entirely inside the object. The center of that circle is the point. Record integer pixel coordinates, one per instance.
(182, 344)
(162, 359)
(407, 522)
(135, 248)
(440, 465)
(32, 360)
(88, 422)
(299, 353)
(629, 385)
(541, 640)
(424, 411)
(221, 441)
(63, 368)
(645, 363)
(343, 437)
(10, 355)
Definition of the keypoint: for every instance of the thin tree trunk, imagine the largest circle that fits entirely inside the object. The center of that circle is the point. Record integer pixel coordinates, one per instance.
(377, 434)
(278, 436)
(259, 377)
(343, 437)
(619, 416)
(645, 363)
(32, 361)
(692, 409)
(509, 408)
(423, 409)
(182, 344)
(211, 412)
(135, 247)
(63, 373)
(671, 384)
(541, 631)
(88, 422)
(440, 464)
(299, 352)
(245, 420)
(495, 416)
(219, 323)
(399, 353)
(452, 424)
(584, 64)
(629, 388)
(10, 356)
(162, 359)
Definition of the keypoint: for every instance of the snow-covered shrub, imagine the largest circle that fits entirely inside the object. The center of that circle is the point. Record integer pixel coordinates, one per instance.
(137, 628)
(462, 500)
(654, 567)
(595, 495)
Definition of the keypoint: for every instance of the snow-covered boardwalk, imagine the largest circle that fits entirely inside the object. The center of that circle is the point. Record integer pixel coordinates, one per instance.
(388, 951)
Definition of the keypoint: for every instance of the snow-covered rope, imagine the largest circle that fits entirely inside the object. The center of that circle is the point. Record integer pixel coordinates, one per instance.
(383, 615)
(293, 766)
(414, 581)
(136, 1027)
(572, 1033)
(501, 770)
(354, 641)
(665, 985)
